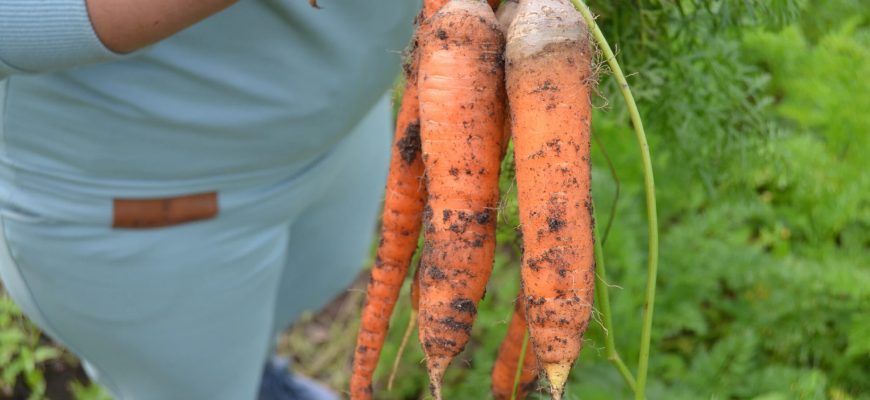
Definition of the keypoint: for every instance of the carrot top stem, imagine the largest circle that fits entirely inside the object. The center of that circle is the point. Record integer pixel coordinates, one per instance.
(602, 299)
(521, 363)
(649, 189)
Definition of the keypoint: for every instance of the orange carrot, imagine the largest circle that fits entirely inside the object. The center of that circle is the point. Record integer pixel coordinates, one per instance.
(430, 7)
(549, 60)
(461, 88)
(384, 285)
(505, 368)
(402, 220)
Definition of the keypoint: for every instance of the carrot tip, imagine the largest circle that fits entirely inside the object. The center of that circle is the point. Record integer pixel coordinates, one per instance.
(557, 374)
(436, 366)
(435, 388)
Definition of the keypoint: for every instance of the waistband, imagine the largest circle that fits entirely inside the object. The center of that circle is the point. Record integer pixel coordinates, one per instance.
(61, 197)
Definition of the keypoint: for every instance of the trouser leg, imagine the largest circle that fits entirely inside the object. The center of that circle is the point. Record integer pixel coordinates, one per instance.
(188, 312)
(175, 313)
(330, 239)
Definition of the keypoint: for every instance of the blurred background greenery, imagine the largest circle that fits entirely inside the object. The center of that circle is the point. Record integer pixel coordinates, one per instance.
(759, 120)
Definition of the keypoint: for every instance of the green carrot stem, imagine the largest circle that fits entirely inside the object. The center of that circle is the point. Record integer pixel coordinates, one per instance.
(602, 298)
(649, 189)
(520, 362)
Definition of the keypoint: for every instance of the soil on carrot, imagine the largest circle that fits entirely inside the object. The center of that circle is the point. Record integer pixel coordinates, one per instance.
(409, 145)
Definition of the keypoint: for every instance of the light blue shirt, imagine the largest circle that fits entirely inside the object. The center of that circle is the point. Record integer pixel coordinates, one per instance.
(251, 95)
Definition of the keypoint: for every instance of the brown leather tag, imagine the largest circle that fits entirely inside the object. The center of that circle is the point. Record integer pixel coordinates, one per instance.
(156, 213)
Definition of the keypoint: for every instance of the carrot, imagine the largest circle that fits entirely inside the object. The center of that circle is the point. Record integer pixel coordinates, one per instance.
(461, 87)
(548, 74)
(404, 205)
(401, 224)
(505, 368)
(430, 7)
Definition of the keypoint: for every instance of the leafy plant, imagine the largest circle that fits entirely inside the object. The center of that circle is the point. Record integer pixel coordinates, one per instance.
(88, 391)
(23, 351)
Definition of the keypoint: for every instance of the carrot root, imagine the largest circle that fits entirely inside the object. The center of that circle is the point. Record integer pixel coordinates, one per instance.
(557, 375)
(461, 87)
(402, 221)
(549, 70)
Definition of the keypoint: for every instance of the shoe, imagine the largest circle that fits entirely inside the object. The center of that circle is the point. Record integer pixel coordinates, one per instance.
(280, 384)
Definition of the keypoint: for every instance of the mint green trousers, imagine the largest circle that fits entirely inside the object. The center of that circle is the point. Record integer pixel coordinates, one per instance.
(191, 311)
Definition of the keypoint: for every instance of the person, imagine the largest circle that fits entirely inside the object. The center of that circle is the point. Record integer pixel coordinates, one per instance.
(181, 179)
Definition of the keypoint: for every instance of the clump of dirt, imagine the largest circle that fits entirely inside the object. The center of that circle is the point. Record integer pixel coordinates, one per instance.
(409, 145)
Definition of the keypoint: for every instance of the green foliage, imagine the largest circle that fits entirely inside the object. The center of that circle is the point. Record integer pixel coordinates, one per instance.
(88, 391)
(23, 352)
(822, 17)
(683, 60)
(764, 282)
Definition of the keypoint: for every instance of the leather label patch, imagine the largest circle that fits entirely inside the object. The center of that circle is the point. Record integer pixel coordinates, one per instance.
(162, 212)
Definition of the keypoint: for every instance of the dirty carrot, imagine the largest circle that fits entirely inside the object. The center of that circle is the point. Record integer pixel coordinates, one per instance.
(370, 342)
(461, 89)
(401, 224)
(507, 362)
(549, 78)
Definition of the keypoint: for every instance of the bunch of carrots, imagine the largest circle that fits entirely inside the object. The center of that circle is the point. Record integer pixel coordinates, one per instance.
(475, 80)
